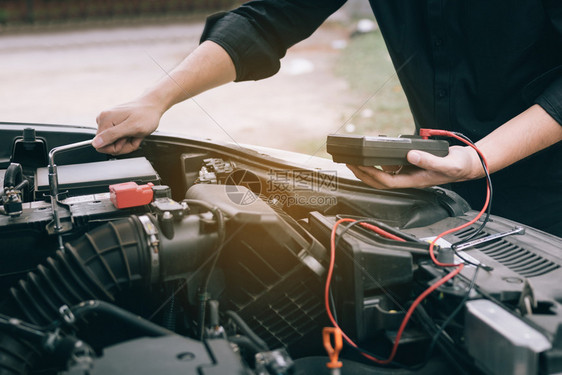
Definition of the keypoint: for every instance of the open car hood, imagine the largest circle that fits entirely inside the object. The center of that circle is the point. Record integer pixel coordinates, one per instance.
(216, 262)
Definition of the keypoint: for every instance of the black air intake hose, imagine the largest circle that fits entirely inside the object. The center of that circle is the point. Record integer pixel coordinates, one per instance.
(106, 260)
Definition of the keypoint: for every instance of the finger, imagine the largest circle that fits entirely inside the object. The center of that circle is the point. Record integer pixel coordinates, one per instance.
(409, 177)
(384, 179)
(448, 166)
(427, 161)
(131, 145)
(109, 149)
(111, 135)
(136, 142)
(118, 145)
(391, 168)
(109, 119)
(99, 144)
(371, 176)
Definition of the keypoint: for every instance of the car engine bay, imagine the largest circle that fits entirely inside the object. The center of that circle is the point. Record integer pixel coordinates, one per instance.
(195, 257)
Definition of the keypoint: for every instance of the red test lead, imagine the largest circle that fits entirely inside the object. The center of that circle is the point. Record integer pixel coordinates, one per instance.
(457, 268)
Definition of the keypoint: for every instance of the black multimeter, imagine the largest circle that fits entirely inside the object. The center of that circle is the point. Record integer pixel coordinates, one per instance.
(381, 150)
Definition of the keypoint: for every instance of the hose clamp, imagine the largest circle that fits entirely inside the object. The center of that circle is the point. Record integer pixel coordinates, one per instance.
(67, 314)
(153, 243)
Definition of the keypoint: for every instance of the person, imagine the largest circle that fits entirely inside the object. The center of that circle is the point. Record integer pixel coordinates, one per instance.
(490, 69)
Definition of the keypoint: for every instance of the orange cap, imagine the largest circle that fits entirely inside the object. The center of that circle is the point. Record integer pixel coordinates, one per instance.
(333, 351)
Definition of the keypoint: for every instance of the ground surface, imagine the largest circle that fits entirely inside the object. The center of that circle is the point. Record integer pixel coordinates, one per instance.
(69, 77)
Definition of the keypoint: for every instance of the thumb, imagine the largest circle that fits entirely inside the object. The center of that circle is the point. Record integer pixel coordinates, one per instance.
(109, 136)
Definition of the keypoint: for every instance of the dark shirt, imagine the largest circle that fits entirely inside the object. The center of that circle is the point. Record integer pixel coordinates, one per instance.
(464, 65)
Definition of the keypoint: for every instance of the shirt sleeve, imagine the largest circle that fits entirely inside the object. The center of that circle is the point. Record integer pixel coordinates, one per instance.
(257, 34)
(551, 98)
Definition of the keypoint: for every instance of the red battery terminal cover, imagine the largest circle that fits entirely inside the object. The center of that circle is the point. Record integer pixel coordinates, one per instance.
(129, 194)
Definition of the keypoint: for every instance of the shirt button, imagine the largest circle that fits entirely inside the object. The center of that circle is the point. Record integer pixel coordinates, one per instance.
(441, 93)
(438, 42)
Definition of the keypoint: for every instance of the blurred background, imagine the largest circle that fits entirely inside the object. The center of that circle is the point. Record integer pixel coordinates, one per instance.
(64, 61)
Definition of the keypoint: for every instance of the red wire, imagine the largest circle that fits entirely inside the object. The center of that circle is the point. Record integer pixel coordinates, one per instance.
(408, 313)
(437, 132)
(382, 232)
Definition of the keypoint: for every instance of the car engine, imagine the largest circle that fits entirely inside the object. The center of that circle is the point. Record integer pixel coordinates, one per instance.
(194, 257)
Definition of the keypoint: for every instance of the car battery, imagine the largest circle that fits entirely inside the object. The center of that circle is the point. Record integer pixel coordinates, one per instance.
(93, 178)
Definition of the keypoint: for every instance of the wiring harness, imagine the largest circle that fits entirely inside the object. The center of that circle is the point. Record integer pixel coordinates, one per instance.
(456, 268)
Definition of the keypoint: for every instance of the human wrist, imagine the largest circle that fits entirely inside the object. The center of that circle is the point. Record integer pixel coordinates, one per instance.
(156, 101)
(476, 169)
(165, 94)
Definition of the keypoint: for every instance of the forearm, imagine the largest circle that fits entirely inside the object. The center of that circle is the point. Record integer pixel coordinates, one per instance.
(122, 128)
(207, 67)
(522, 136)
